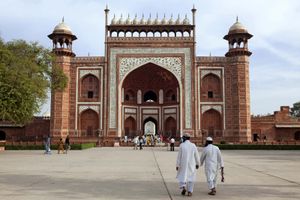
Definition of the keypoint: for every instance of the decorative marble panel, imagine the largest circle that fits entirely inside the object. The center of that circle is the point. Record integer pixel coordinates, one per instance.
(139, 97)
(94, 72)
(166, 62)
(130, 110)
(210, 71)
(173, 64)
(150, 111)
(171, 110)
(161, 96)
(208, 107)
(95, 108)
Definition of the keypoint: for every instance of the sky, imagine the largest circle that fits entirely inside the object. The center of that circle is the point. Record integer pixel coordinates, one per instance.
(274, 64)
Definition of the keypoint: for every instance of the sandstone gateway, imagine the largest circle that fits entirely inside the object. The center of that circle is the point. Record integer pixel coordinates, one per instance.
(150, 81)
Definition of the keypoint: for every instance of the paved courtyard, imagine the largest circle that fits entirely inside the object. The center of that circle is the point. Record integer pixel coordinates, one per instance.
(124, 173)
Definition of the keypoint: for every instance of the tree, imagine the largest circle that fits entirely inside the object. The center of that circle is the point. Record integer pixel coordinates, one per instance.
(296, 109)
(27, 72)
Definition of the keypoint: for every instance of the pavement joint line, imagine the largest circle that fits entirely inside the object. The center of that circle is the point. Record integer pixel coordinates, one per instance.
(170, 196)
(274, 176)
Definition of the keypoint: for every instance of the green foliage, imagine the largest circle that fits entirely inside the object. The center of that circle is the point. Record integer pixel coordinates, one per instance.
(25, 77)
(257, 147)
(53, 147)
(296, 109)
(222, 142)
(83, 146)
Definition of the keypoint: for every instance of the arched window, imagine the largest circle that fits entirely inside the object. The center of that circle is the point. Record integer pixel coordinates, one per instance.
(170, 127)
(89, 123)
(114, 34)
(130, 95)
(170, 96)
(89, 87)
(171, 34)
(212, 122)
(157, 34)
(186, 34)
(143, 34)
(130, 127)
(150, 96)
(211, 87)
(150, 34)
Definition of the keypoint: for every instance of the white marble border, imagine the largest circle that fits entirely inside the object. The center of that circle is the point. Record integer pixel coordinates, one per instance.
(113, 93)
(78, 76)
(199, 94)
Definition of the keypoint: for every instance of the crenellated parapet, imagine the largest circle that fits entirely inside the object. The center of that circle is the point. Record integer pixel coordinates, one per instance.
(150, 27)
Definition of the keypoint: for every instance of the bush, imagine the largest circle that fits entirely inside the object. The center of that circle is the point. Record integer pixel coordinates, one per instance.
(257, 147)
(53, 147)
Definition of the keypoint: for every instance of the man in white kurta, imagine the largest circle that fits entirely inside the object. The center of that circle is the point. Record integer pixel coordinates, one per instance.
(211, 155)
(187, 162)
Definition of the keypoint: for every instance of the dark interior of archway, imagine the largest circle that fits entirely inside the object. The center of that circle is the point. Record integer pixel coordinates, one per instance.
(2, 135)
(150, 78)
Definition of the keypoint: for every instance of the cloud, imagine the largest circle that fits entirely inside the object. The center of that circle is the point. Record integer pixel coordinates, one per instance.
(274, 65)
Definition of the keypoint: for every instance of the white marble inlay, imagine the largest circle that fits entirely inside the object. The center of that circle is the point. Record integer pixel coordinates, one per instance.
(130, 110)
(94, 72)
(173, 64)
(171, 110)
(150, 111)
(210, 71)
(208, 107)
(159, 51)
(95, 108)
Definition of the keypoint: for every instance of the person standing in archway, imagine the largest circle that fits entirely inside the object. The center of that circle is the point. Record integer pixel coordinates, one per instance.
(141, 141)
(187, 162)
(172, 144)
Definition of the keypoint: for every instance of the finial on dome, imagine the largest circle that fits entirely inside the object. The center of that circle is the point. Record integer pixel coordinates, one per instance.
(171, 20)
(163, 21)
(186, 20)
(237, 18)
(156, 21)
(135, 19)
(142, 20)
(128, 21)
(63, 19)
(178, 20)
(149, 21)
(120, 21)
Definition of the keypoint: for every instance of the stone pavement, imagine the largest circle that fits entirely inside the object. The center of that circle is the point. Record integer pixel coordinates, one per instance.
(124, 173)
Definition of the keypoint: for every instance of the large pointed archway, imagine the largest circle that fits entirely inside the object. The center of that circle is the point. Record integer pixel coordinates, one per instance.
(89, 123)
(212, 123)
(150, 92)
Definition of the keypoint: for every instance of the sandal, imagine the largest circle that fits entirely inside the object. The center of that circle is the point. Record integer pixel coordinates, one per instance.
(212, 192)
(183, 191)
(190, 194)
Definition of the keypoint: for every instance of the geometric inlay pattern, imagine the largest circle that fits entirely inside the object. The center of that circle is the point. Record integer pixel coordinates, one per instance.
(94, 72)
(95, 108)
(208, 107)
(135, 56)
(210, 71)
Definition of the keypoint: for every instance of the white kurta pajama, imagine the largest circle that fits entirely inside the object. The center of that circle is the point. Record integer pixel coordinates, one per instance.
(213, 162)
(187, 159)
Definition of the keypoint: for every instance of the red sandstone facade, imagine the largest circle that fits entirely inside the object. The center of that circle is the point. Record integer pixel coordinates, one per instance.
(280, 127)
(150, 81)
(150, 74)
